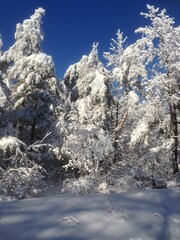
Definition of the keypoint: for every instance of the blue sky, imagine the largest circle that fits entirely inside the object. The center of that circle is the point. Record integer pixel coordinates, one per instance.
(71, 26)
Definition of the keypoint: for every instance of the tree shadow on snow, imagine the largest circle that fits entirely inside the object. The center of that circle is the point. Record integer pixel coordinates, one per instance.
(155, 214)
(136, 215)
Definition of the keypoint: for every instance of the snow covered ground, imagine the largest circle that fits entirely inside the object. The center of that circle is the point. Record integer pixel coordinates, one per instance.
(140, 215)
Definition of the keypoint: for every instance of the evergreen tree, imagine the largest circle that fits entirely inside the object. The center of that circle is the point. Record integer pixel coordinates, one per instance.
(88, 119)
(34, 102)
(5, 123)
(34, 85)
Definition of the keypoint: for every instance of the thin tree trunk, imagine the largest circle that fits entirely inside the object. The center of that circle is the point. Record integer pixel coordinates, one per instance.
(116, 124)
(32, 132)
(117, 131)
(120, 126)
(174, 134)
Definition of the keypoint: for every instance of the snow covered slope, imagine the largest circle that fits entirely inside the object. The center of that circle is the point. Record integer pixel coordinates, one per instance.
(142, 215)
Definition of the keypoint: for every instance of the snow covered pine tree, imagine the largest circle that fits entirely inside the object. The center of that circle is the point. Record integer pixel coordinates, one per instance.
(33, 82)
(87, 144)
(34, 98)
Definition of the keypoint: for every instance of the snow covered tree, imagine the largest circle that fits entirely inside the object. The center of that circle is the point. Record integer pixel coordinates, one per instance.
(33, 81)
(128, 73)
(3, 98)
(88, 119)
(5, 123)
(161, 45)
(34, 112)
(87, 82)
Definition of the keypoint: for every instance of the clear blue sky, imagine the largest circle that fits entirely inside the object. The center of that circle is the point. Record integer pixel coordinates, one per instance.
(71, 26)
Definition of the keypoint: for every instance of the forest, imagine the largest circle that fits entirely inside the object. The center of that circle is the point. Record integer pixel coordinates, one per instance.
(104, 127)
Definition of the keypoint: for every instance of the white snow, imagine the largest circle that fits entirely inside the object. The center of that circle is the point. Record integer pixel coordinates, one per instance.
(142, 215)
(139, 132)
(2, 97)
(133, 99)
(11, 143)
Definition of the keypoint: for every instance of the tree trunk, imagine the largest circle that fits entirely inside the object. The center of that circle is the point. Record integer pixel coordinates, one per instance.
(116, 124)
(117, 130)
(174, 135)
(120, 126)
(32, 132)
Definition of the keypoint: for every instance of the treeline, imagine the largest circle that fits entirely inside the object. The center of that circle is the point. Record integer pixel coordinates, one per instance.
(101, 128)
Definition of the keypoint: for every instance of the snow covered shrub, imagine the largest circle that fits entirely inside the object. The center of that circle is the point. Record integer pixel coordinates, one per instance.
(127, 183)
(174, 182)
(80, 186)
(76, 150)
(23, 182)
(90, 152)
(11, 149)
(20, 177)
(102, 153)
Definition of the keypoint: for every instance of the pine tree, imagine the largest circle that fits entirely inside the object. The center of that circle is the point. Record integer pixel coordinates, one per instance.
(5, 123)
(34, 110)
(88, 119)
(33, 82)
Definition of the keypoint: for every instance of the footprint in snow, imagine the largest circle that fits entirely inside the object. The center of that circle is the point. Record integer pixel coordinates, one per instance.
(70, 220)
(158, 216)
(116, 212)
